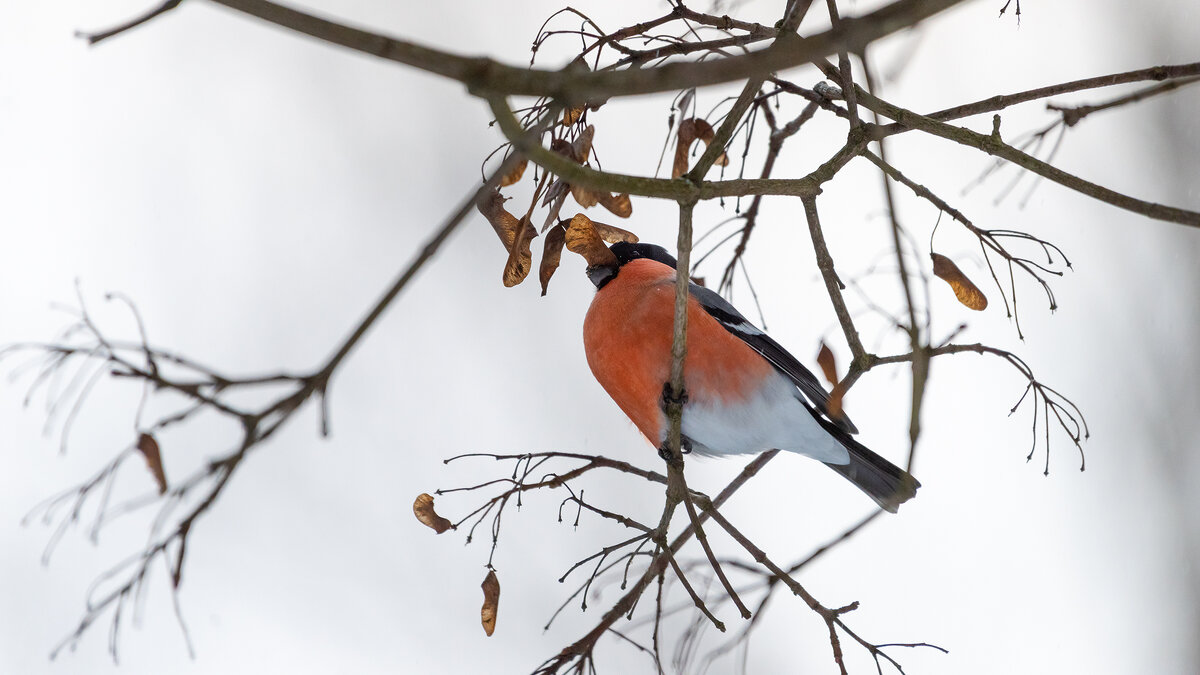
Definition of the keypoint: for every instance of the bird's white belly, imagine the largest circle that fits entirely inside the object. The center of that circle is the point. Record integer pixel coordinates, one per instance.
(769, 419)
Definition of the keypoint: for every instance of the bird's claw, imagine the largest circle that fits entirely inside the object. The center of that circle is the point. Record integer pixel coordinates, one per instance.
(685, 448)
(669, 398)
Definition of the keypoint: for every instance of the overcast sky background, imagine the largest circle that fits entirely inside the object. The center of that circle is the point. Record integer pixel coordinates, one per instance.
(253, 191)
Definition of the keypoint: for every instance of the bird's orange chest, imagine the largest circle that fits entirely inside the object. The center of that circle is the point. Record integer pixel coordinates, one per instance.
(627, 337)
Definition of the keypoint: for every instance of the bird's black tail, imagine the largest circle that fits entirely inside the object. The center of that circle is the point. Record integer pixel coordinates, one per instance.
(889, 485)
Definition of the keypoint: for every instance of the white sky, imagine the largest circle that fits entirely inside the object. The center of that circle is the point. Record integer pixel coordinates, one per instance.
(254, 191)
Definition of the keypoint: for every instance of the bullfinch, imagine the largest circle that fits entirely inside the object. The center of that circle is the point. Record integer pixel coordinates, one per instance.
(744, 392)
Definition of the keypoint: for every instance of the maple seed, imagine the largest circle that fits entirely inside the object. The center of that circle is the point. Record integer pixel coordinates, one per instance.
(618, 205)
(551, 254)
(690, 130)
(582, 145)
(578, 151)
(966, 291)
(564, 148)
(516, 173)
(423, 510)
(520, 256)
(149, 449)
(585, 197)
(516, 235)
(828, 364)
(491, 602)
(582, 238)
(833, 407)
(611, 234)
(571, 115)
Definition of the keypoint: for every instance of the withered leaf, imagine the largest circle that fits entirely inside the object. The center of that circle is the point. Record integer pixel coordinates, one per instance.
(612, 234)
(149, 449)
(516, 235)
(557, 189)
(618, 205)
(504, 223)
(966, 291)
(690, 130)
(520, 256)
(551, 254)
(834, 405)
(423, 510)
(516, 173)
(578, 150)
(585, 197)
(571, 115)
(582, 238)
(582, 145)
(563, 147)
(491, 602)
(828, 365)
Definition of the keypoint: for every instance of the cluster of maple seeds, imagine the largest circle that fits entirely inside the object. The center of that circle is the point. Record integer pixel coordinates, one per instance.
(579, 233)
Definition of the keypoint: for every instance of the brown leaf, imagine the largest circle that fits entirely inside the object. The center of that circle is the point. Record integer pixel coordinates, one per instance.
(585, 197)
(829, 368)
(516, 173)
(551, 254)
(520, 256)
(491, 602)
(557, 189)
(834, 405)
(149, 449)
(582, 238)
(690, 130)
(516, 235)
(612, 234)
(966, 291)
(563, 147)
(619, 205)
(578, 150)
(828, 364)
(582, 145)
(571, 115)
(423, 510)
(504, 223)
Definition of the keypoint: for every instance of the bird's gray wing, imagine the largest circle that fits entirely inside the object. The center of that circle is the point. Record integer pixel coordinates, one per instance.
(725, 314)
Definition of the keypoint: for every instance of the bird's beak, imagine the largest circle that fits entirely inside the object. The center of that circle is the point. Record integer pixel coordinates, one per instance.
(601, 274)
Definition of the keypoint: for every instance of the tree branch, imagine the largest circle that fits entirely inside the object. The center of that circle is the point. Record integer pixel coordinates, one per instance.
(993, 145)
(574, 86)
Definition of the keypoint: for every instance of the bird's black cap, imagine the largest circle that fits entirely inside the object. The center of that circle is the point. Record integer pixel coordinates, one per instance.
(626, 252)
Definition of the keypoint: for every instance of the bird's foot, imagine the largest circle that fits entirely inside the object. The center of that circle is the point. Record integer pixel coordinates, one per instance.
(669, 397)
(685, 448)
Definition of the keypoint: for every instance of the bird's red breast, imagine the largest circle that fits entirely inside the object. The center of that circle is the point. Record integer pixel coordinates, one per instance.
(627, 337)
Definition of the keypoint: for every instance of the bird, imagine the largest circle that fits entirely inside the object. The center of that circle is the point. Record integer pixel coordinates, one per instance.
(743, 392)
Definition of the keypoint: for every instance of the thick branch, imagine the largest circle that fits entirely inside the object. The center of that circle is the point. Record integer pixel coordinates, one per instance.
(574, 86)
